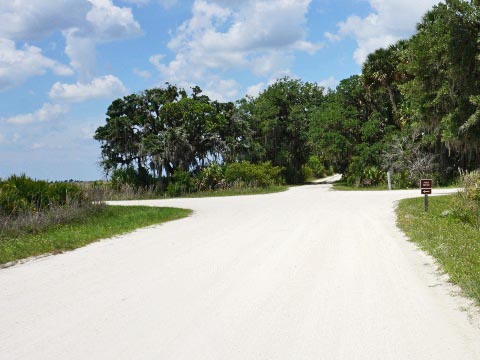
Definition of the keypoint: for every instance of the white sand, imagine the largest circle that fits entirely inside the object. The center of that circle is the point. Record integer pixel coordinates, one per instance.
(305, 274)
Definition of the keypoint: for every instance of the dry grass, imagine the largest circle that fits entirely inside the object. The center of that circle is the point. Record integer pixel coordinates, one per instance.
(34, 222)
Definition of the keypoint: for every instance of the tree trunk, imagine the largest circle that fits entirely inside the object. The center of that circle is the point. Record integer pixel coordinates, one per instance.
(392, 99)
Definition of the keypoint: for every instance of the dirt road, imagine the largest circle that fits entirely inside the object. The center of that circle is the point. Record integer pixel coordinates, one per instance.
(305, 274)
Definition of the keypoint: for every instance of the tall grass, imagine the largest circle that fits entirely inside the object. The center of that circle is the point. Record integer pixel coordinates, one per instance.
(467, 201)
(29, 206)
(455, 244)
(106, 222)
(234, 178)
(449, 232)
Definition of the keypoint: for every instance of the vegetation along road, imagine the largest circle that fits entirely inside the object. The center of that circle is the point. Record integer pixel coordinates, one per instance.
(309, 273)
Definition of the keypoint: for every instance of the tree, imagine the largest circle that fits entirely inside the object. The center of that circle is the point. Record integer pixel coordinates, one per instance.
(351, 125)
(406, 155)
(332, 133)
(442, 59)
(280, 118)
(160, 131)
(380, 71)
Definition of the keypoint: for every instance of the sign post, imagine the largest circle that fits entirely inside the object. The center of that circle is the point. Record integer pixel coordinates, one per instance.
(426, 189)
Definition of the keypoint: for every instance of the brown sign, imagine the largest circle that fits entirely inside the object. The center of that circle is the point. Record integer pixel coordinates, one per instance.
(426, 191)
(426, 183)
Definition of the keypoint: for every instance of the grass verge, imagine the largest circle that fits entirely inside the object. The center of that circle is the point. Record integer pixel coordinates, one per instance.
(132, 195)
(107, 222)
(240, 191)
(453, 243)
(343, 186)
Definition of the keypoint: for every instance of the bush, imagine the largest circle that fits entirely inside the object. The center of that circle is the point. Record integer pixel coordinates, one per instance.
(22, 194)
(373, 176)
(317, 167)
(306, 173)
(253, 175)
(401, 180)
(129, 176)
(210, 177)
(180, 183)
(29, 206)
(467, 202)
(359, 174)
(405, 154)
(354, 173)
(330, 171)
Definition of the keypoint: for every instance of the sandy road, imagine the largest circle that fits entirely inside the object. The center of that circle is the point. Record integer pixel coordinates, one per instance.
(305, 274)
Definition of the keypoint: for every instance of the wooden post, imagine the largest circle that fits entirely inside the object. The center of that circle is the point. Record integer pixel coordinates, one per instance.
(426, 202)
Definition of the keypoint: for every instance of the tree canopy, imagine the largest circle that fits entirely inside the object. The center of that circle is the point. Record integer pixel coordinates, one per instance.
(414, 110)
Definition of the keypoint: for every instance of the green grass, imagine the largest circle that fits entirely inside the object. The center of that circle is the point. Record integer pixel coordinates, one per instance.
(110, 221)
(343, 186)
(453, 243)
(150, 195)
(240, 191)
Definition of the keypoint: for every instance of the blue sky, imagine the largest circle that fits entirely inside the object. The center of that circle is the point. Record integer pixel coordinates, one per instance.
(62, 62)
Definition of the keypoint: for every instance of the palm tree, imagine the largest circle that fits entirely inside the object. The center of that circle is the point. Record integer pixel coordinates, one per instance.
(380, 71)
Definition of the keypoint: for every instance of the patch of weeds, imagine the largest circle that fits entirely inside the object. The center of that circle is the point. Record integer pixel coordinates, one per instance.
(106, 222)
(448, 237)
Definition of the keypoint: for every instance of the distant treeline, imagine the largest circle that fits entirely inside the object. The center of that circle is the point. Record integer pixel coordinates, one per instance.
(414, 110)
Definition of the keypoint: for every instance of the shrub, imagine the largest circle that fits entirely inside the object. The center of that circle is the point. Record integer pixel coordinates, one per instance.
(253, 175)
(138, 178)
(317, 167)
(354, 173)
(20, 194)
(306, 173)
(467, 201)
(360, 174)
(401, 180)
(30, 206)
(180, 183)
(405, 154)
(330, 170)
(210, 177)
(373, 175)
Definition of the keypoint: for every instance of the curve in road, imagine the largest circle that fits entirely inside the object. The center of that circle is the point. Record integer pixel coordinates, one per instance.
(305, 274)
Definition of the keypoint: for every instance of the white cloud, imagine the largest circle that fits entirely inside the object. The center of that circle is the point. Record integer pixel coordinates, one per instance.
(110, 22)
(330, 83)
(104, 22)
(144, 74)
(167, 4)
(17, 65)
(45, 146)
(81, 51)
(273, 63)
(102, 87)
(48, 112)
(27, 19)
(390, 21)
(307, 46)
(223, 35)
(256, 89)
(84, 23)
(221, 90)
(136, 2)
(87, 131)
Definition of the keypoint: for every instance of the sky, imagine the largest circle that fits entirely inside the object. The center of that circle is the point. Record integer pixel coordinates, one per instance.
(63, 62)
